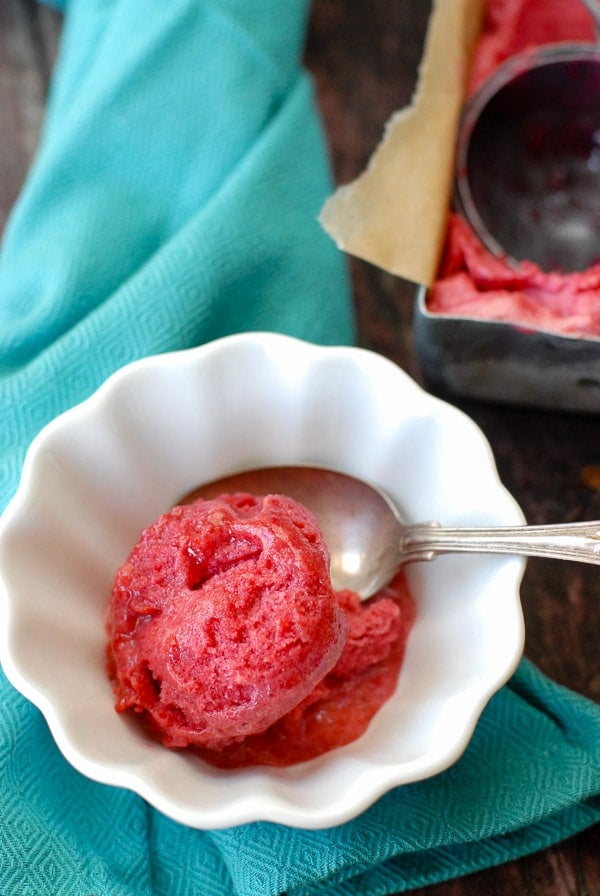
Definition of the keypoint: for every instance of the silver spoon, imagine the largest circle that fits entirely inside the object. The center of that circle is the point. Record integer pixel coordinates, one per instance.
(369, 542)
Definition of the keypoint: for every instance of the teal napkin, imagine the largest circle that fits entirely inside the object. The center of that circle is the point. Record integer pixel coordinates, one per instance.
(174, 200)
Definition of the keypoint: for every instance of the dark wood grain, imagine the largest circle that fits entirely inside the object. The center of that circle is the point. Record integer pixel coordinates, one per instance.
(364, 59)
(28, 42)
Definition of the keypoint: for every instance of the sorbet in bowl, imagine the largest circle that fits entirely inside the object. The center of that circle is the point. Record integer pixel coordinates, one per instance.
(107, 470)
(226, 636)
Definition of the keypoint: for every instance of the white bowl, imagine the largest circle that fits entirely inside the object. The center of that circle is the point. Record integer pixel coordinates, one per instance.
(157, 428)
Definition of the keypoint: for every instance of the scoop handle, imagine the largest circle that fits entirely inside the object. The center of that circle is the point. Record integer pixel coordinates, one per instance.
(569, 541)
(594, 7)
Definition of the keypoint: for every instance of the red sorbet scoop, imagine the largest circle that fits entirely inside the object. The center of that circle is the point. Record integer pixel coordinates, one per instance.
(223, 618)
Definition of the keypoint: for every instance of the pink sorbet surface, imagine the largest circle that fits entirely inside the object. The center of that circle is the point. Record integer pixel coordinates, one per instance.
(473, 282)
(223, 619)
(341, 706)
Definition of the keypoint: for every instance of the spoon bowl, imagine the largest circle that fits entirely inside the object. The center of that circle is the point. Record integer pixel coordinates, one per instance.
(368, 540)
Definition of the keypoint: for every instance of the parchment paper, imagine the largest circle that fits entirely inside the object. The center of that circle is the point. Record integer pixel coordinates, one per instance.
(394, 214)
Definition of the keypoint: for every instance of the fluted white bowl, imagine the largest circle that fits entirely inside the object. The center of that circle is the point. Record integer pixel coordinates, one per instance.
(102, 471)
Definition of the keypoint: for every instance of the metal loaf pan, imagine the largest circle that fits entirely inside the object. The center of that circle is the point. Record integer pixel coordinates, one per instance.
(503, 363)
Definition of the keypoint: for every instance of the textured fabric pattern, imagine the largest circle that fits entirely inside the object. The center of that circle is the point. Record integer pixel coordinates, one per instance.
(173, 201)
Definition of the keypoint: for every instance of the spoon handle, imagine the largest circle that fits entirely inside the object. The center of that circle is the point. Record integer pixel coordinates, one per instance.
(569, 541)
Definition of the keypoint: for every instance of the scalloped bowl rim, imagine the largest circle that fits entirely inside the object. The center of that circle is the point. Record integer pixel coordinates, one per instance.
(282, 374)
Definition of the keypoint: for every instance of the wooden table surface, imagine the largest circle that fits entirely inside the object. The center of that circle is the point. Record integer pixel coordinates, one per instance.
(364, 58)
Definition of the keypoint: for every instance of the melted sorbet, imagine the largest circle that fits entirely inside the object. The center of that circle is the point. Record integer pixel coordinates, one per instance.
(226, 636)
(473, 282)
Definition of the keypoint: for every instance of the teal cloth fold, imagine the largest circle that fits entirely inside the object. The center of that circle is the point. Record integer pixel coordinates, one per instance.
(174, 200)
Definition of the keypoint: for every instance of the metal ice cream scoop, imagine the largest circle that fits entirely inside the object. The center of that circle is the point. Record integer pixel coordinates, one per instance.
(594, 8)
(528, 157)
